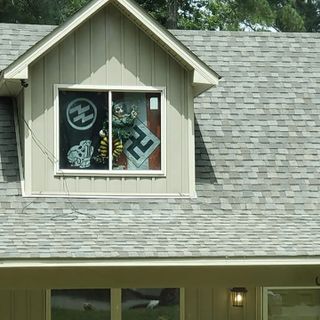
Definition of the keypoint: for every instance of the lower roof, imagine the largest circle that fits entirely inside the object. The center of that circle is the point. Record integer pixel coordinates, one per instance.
(257, 164)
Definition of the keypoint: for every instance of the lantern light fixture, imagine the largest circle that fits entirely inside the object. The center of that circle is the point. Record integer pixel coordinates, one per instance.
(238, 296)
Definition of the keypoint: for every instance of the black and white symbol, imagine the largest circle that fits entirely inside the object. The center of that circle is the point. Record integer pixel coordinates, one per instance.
(80, 155)
(81, 114)
(141, 144)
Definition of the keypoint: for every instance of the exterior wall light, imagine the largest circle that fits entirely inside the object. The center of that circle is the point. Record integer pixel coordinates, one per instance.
(238, 296)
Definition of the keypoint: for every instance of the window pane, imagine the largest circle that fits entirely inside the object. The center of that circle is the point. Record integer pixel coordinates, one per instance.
(293, 304)
(136, 131)
(150, 304)
(82, 143)
(86, 304)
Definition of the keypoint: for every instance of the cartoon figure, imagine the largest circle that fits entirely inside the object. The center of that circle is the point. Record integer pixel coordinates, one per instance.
(122, 123)
(80, 155)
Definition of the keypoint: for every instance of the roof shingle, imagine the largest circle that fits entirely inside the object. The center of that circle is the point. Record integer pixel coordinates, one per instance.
(257, 162)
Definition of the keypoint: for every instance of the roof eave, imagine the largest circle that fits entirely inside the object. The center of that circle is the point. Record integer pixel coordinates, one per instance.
(19, 68)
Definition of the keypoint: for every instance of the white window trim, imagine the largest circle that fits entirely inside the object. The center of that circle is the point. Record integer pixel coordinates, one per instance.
(109, 173)
(265, 296)
(115, 300)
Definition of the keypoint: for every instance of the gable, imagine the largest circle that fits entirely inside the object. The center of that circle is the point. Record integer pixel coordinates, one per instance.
(203, 77)
(109, 52)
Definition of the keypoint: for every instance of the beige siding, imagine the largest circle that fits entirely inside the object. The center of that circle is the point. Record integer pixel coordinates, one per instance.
(214, 304)
(206, 293)
(22, 305)
(198, 304)
(109, 50)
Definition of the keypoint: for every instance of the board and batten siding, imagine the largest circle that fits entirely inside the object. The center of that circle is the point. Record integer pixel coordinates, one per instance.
(23, 304)
(199, 304)
(108, 49)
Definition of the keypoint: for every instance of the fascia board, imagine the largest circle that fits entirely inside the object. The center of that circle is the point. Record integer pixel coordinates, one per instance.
(192, 262)
(19, 68)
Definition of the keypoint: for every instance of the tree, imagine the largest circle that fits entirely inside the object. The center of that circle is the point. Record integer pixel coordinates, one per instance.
(280, 15)
(38, 11)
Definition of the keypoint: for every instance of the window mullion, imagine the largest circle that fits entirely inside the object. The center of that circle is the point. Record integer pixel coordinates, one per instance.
(110, 129)
(116, 304)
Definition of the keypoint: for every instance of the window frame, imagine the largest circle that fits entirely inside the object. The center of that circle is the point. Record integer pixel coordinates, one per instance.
(115, 302)
(265, 296)
(109, 173)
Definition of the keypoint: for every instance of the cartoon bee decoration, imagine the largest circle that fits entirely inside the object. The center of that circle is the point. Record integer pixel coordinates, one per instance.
(117, 148)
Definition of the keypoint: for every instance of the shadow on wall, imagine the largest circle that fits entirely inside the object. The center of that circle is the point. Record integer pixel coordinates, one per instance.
(9, 168)
(204, 169)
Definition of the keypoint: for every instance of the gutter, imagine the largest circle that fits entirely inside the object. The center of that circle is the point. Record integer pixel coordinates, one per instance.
(225, 262)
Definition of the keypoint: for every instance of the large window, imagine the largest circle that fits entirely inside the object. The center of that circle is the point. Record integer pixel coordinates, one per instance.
(292, 303)
(86, 304)
(106, 304)
(151, 304)
(109, 131)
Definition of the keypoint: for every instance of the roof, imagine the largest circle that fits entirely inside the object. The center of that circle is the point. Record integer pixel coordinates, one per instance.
(257, 169)
(16, 39)
(203, 78)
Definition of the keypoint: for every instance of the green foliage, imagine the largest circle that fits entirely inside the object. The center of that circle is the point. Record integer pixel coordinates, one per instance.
(281, 15)
(289, 19)
(38, 11)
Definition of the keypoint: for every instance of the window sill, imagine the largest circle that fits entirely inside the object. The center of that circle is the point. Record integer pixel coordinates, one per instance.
(115, 173)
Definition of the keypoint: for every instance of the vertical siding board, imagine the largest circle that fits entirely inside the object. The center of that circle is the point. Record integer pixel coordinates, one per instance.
(98, 48)
(184, 134)
(51, 77)
(20, 305)
(191, 303)
(174, 119)
(205, 307)
(129, 52)
(67, 60)
(251, 304)
(83, 54)
(37, 304)
(129, 185)
(191, 135)
(114, 46)
(5, 304)
(145, 63)
(221, 303)
(38, 126)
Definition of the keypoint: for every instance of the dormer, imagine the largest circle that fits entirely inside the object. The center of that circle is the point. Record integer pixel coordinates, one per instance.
(107, 107)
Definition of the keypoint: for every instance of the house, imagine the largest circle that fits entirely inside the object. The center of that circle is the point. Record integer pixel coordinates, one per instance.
(212, 188)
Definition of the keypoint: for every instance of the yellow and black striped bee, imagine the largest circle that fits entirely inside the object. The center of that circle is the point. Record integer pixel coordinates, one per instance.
(117, 148)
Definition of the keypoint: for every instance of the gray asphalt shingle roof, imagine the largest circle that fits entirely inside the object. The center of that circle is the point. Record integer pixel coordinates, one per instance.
(15, 39)
(257, 163)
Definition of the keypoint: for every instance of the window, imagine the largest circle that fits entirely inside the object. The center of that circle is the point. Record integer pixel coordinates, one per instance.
(114, 131)
(84, 304)
(292, 303)
(104, 304)
(151, 304)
